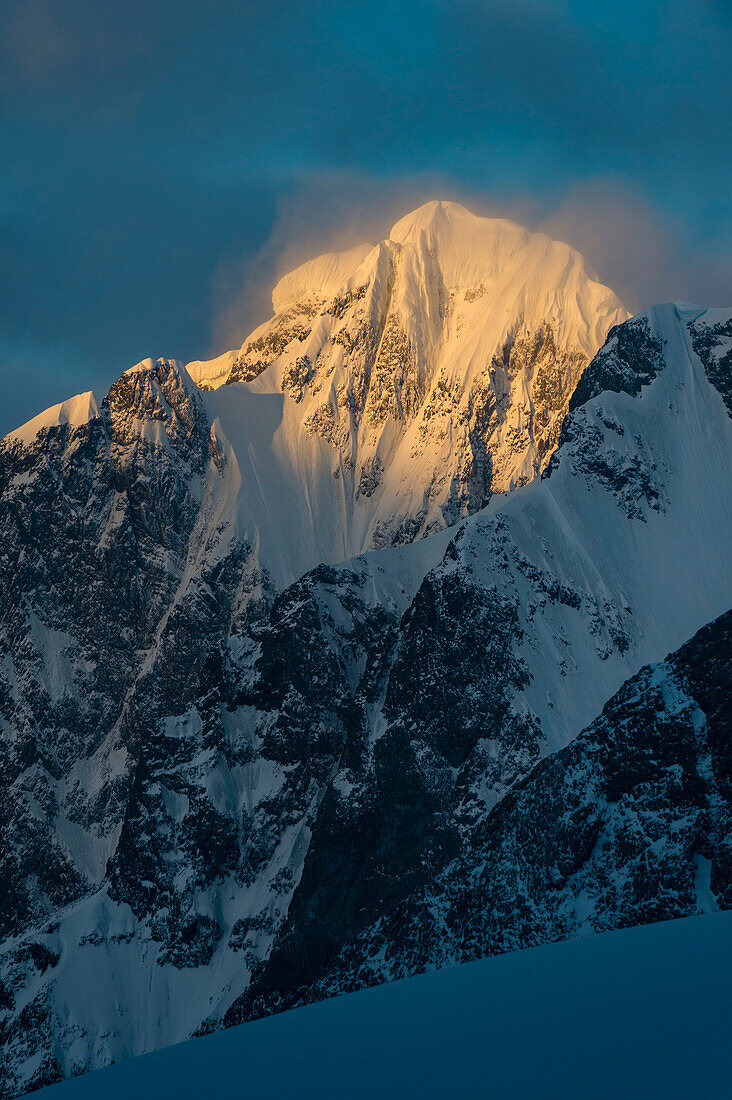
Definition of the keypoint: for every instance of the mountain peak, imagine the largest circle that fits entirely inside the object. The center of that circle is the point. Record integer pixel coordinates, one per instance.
(399, 385)
(429, 214)
(443, 240)
(445, 218)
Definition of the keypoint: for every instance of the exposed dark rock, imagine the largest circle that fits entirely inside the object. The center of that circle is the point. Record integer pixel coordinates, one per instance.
(630, 359)
(713, 344)
(631, 823)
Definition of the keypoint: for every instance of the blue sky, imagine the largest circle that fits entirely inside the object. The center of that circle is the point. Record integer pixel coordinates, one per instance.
(164, 161)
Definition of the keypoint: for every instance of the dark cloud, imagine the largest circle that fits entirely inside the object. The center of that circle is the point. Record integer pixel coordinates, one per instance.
(163, 161)
(652, 85)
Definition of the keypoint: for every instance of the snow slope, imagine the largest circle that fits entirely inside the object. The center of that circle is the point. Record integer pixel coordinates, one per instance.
(638, 1013)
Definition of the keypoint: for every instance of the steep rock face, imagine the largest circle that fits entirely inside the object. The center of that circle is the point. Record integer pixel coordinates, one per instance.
(630, 359)
(370, 718)
(629, 824)
(98, 520)
(711, 338)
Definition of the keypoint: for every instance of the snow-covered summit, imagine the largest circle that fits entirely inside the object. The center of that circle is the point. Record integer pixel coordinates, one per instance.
(520, 277)
(521, 273)
(494, 256)
(398, 386)
(320, 278)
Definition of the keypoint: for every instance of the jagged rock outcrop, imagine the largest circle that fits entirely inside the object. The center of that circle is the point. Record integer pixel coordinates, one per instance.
(629, 824)
(97, 522)
(711, 338)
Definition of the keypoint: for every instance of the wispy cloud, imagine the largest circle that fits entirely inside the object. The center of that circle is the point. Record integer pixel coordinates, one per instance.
(636, 250)
(624, 239)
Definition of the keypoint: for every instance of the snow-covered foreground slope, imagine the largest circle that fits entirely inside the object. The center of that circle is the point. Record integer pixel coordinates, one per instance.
(186, 759)
(639, 1013)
